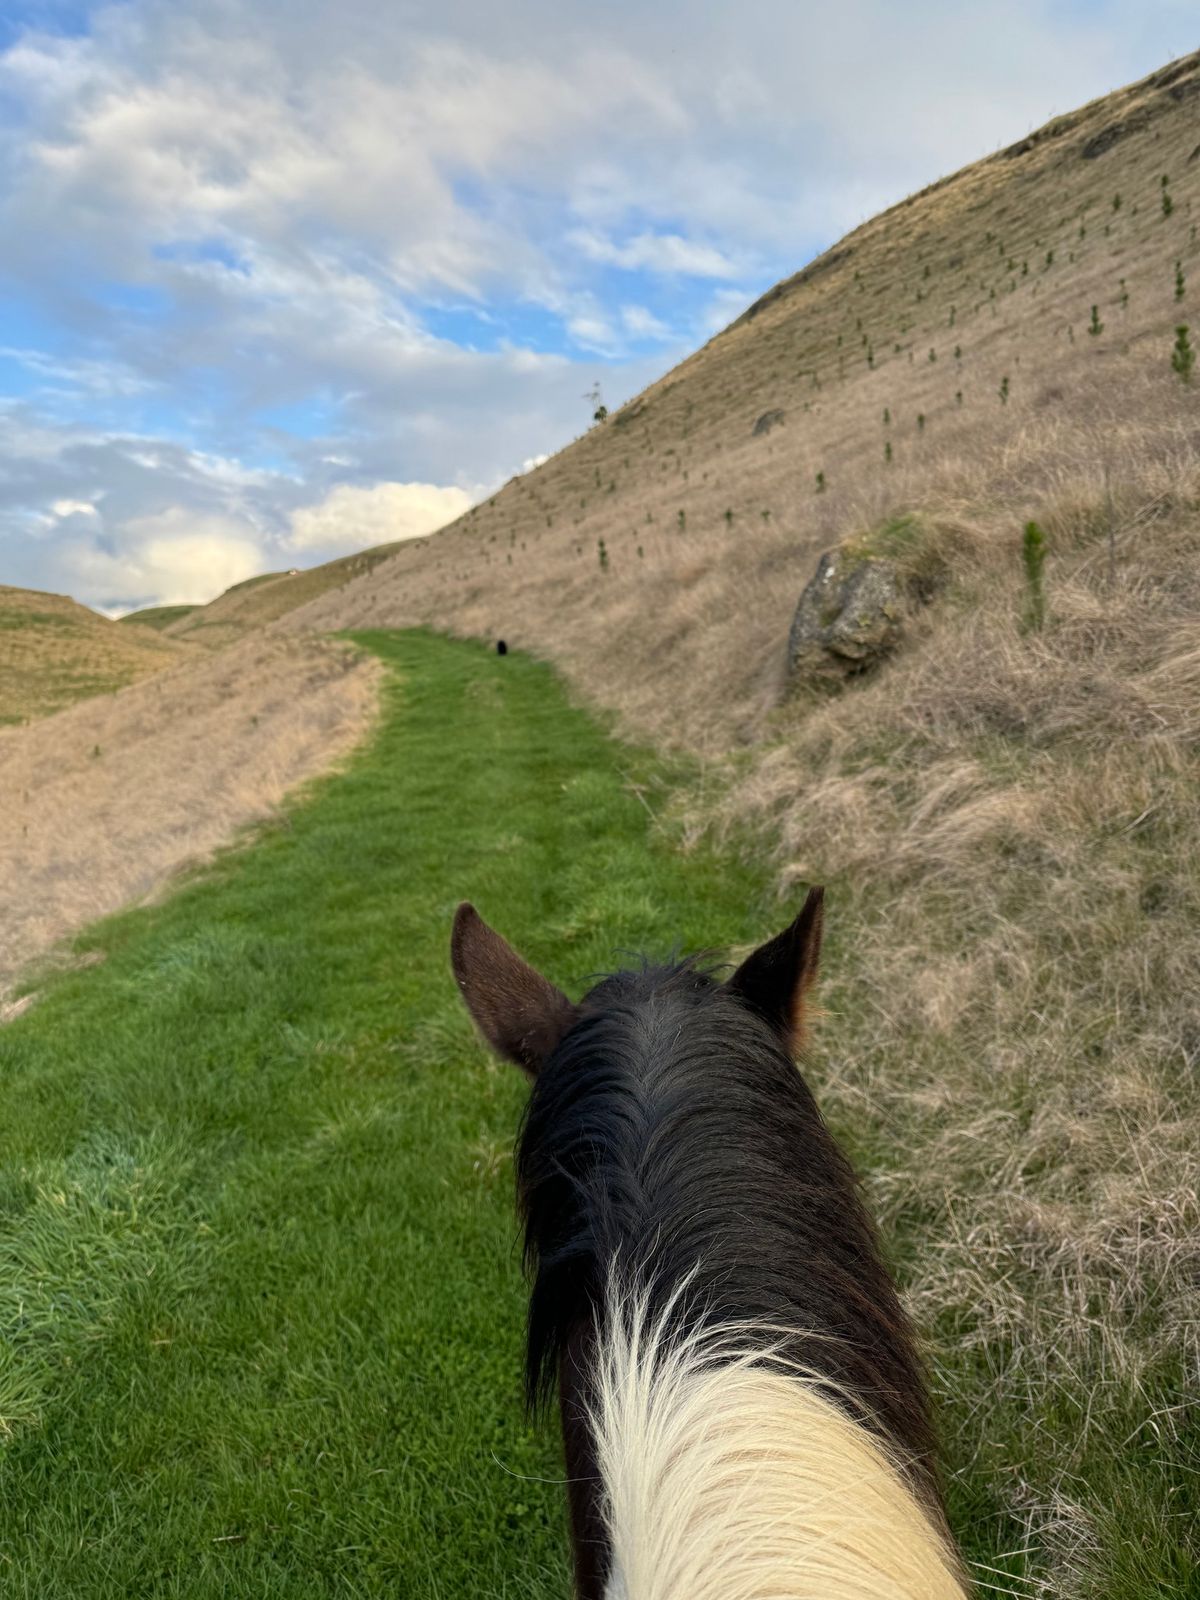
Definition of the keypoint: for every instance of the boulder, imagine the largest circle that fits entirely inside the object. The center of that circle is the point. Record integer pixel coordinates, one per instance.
(850, 617)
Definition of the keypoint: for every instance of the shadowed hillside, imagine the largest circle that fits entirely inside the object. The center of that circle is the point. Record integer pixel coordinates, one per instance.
(54, 651)
(156, 617)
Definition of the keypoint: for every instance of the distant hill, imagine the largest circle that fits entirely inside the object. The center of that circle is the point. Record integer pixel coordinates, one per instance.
(157, 617)
(53, 651)
(256, 602)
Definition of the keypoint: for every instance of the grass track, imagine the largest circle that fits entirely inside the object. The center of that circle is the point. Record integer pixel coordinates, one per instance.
(261, 1305)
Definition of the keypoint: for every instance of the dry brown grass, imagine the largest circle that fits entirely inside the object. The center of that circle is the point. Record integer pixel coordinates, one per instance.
(54, 651)
(1009, 820)
(100, 804)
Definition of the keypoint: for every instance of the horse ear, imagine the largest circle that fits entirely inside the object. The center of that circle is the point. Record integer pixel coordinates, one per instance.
(520, 1014)
(775, 980)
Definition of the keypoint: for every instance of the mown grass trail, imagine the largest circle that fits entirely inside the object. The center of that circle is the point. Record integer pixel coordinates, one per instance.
(260, 1304)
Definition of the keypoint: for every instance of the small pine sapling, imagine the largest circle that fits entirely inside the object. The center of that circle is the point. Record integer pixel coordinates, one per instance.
(1033, 551)
(1183, 357)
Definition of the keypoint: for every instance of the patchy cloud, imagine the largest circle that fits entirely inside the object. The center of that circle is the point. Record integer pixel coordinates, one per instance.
(349, 518)
(666, 253)
(172, 558)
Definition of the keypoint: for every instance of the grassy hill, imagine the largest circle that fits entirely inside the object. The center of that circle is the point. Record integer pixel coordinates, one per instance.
(157, 617)
(53, 651)
(257, 602)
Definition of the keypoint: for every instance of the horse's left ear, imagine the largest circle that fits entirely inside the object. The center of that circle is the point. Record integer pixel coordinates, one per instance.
(520, 1013)
(775, 980)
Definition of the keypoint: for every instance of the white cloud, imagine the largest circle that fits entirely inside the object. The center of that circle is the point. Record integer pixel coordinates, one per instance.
(657, 252)
(350, 518)
(74, 508)
(173, 558)
(592, 332)
(642, 324)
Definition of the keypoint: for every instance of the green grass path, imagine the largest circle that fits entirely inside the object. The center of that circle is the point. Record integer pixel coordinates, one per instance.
(260, 1304)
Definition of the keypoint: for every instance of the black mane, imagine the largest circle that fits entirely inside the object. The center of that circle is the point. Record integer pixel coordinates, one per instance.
(669, 1130)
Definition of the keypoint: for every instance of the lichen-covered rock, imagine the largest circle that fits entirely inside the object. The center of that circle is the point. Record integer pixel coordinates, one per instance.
(850, 617)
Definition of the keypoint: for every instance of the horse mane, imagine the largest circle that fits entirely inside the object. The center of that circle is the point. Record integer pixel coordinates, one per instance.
(670, 1138)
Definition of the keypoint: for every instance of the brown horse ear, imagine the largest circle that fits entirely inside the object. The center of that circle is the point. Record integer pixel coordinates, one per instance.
(775, 980)
(520, 1014)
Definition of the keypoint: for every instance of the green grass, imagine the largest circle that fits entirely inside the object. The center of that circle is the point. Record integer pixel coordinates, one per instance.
(259, 1289)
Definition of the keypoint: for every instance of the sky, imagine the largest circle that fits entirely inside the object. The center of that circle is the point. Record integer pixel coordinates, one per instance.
(281, 280)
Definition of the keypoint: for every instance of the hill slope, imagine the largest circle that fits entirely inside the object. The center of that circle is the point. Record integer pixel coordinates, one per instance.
(53, 651)
(102, 803)
(157, 617)
(904, 334)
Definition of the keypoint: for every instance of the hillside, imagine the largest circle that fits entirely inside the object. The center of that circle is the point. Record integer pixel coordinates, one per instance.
(101, 804)
(257, 602)
(903, 334)
(156, 617)
(54, 651)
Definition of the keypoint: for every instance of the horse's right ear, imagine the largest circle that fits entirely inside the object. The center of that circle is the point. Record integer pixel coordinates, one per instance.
(775, 980)
(520, 1013)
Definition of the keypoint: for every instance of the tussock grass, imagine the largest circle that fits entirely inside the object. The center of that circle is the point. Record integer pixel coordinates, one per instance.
(1010, 820)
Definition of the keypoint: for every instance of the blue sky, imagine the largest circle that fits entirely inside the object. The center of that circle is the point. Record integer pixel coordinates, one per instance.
(280, 281)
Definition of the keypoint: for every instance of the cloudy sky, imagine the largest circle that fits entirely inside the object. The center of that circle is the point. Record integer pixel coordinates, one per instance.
(283, 278)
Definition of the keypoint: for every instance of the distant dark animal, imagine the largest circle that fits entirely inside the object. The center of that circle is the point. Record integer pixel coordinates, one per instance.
(501, 648)
(744, 1412)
